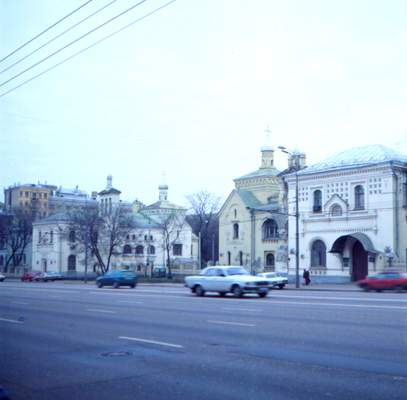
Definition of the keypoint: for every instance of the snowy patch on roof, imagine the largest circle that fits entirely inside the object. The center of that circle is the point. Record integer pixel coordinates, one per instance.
(357, 157)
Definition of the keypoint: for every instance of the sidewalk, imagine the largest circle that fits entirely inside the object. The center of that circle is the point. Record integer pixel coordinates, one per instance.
(326, 287)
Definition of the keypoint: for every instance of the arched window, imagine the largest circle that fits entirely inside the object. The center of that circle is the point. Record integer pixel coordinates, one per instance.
(139, 249)
(359, 197)
(270, 261)
(151, 250)
(127, 249)
(317, 206)
(71, 263)
(235, 231)
(270, 229)
(240, 257)
(318, 254)
(72, 236)
(336, 210)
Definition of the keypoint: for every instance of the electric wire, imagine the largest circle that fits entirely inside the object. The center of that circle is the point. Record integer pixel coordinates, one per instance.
(57, 37)
(89, 47)
(45, 30)
(73, 42)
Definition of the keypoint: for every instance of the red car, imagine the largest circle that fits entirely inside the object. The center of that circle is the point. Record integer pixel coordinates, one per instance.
(389, 280)
(29, 276)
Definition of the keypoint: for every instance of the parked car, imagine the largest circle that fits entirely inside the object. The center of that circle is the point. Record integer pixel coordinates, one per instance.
(47, 277)
(117, 278)
(275, 279)
(2, 277)
(159, 272)
(227, 279)
(389, 280)
(29, 276)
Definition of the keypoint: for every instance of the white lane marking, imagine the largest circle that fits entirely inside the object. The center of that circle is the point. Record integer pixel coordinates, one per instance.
(340, 305)
(13, 321)
(178, 346)
(18, 302)
(67, 291)
(287, 296)
(241, 309)
(101, 310)
(230, 323)
(130, 302)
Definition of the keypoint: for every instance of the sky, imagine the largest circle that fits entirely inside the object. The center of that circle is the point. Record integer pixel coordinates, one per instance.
(185, 95)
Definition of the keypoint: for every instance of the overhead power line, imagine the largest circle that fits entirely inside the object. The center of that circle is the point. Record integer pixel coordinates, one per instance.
(73, 42)
(89, 47)
(45, 30)
(58, 36)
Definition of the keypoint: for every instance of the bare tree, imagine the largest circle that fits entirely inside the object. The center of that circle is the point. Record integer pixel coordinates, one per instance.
(171, 226)
(204, 222)
(101, 234)
(16, 235)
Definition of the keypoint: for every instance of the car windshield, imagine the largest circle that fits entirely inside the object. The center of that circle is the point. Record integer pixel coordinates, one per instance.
(236, 271)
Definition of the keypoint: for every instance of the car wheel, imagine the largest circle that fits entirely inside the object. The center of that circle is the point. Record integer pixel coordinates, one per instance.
(116, 285)
(366, 288)
(222, 294)
(199, 291)
(99, 284)
(237, 291)
(281, 286)
(399, 289)
(262, 294)
(133, 285)
(378, 290)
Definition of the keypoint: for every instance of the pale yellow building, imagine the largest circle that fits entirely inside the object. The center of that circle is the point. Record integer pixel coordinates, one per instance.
(253, 220)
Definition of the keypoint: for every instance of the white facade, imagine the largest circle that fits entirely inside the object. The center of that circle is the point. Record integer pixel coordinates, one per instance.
(55, 248)
(353, 214)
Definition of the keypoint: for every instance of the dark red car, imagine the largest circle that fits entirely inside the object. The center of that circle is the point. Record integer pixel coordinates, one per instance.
(389, 280)
(29, 276)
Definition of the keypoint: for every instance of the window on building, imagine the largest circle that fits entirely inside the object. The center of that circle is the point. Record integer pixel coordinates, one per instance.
(45, 195)
(270, 261)
(336, 210)
(318, 254)
(1, 260)
(51, 236)
(133, 237)
(71, 263)
(240, 257)
(177, 249)
(270, 229)
(235, 231)
(235, 213)
(139, 249)
(317, 206)
(151, 250)
(72, 236)
(359, 197)
(127, 249)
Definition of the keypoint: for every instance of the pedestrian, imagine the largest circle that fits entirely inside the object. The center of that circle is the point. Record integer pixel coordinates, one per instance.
(306, 277)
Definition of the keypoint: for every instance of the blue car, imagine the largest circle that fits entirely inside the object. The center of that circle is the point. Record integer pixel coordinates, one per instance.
(117, 278)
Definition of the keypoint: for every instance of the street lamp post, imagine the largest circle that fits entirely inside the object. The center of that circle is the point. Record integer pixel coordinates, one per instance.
(297, 218)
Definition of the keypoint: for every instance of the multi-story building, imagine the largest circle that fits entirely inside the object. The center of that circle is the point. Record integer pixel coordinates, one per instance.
(56, 247)
(31, 198)
(253, 220)
(352, 214)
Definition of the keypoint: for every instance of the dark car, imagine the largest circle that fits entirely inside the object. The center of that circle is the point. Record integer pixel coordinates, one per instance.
(29, 276)
(384, 281)
(117, 278)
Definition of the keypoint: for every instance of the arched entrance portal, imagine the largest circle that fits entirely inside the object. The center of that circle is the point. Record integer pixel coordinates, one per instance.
(359, 262)
(355, 248)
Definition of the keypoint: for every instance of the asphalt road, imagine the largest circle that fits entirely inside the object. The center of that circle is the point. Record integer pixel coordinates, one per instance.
(60, 341)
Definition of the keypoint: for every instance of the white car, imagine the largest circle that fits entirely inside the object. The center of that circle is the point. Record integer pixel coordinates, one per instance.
(275, 279)
(227, 279)
(2, 277)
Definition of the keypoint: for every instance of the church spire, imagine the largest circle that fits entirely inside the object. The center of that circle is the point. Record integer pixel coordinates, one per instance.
(267, 152)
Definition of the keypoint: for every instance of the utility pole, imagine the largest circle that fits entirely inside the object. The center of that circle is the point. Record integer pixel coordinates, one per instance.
(199, 251)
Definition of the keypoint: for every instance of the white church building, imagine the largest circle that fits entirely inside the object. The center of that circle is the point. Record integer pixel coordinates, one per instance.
(352, 215)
